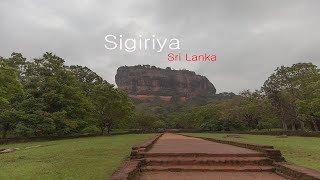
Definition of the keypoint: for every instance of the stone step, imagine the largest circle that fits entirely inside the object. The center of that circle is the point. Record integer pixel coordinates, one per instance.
(177, 168)
(216, 161)
(152, 154)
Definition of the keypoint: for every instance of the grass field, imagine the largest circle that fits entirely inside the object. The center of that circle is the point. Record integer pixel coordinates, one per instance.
(81, 158)
(302, 151)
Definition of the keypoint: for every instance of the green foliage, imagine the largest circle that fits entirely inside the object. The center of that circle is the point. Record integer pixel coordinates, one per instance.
(45, 97)
(309, 105)
(10, 86)
(54, 99)
(86, 77)
(147, 121)
(10, 89)
(286, 87)
(93, 129)
(290, 98)
(111, 106)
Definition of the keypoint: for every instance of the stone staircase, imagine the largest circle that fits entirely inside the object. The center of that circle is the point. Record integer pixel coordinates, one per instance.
(206, 162)
(171, 156)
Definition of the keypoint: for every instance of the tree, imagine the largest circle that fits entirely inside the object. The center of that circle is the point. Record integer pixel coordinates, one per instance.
(45, 97)
(148, 121)
(250, 108)
(309, 105)
(16, 61)
(10, 89)
(53, 94)
(111, 106)
(284, 88)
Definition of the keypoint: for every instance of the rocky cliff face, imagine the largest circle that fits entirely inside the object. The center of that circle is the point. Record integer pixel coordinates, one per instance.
(149, 83)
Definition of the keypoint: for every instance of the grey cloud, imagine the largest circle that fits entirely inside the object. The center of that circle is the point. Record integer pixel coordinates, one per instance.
(251, 38)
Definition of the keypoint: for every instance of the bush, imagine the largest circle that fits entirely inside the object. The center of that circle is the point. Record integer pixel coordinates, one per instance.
(91, 130)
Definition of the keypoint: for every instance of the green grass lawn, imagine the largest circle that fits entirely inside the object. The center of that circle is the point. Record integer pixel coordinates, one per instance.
(302, 151)
(80, 158)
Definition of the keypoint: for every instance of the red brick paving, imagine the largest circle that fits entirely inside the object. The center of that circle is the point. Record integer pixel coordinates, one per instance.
(174, 143)
(209, 176)
(208, 160)
(207, 168)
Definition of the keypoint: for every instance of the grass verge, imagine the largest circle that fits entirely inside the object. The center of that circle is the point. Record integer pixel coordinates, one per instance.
(80, 158)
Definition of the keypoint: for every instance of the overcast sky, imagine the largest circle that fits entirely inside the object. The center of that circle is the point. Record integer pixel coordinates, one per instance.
(250, 38)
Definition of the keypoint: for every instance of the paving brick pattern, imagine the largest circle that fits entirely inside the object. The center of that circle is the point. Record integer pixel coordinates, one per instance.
(173, 143)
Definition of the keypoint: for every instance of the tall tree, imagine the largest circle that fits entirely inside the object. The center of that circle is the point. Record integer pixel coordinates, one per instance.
(10, 89)
(284, 88)
(52, 91)
(111, 106)
(309, 105)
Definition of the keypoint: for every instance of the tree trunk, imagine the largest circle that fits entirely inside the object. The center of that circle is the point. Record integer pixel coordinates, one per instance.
(4, 135)
(5, 130)
(293, 126)
(102, 130)
(315, 125)
(284, 125)
(109, 128)
(303, 128)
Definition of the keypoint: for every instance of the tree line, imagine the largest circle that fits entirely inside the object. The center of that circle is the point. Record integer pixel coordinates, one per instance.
(43, 97)
(289, 99)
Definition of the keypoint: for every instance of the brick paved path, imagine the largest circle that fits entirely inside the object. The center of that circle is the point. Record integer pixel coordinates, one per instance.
(173, 143)
(179, 157)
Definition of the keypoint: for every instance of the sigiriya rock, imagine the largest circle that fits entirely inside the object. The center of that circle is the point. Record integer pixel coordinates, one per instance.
(148, 83)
